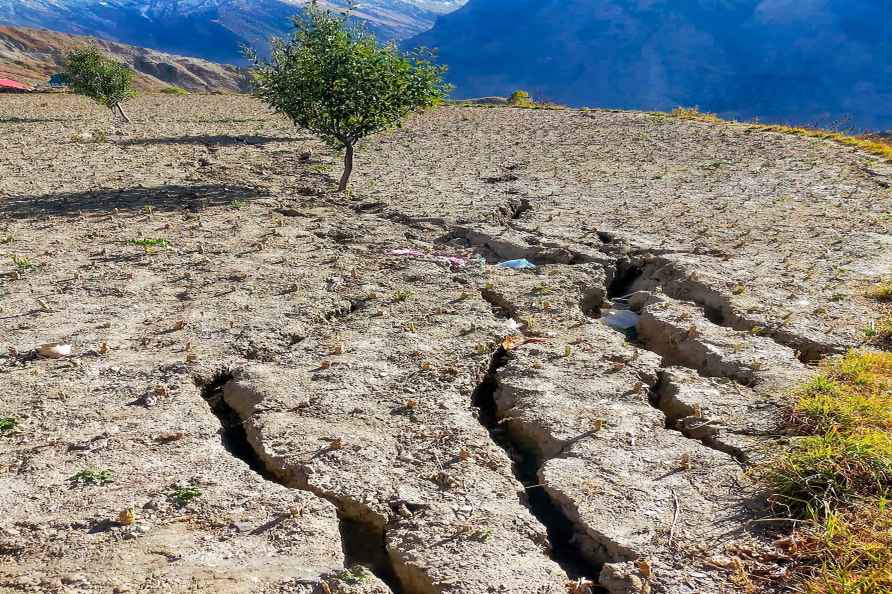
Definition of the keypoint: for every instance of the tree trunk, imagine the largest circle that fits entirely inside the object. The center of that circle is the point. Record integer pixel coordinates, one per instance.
(348, 168)
(121, 111)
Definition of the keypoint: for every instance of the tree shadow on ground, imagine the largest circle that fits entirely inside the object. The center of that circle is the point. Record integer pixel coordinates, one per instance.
(210, 140)
(18, 120)
(158, 198)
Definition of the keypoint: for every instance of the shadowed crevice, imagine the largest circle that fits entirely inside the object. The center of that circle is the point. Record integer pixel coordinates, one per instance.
(363, 542)
(525, 466)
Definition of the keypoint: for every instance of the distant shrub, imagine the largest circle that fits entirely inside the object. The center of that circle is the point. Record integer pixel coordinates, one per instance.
(694, 113)
(521, 99)
(107, 82)
(179, 91)
(334, 79)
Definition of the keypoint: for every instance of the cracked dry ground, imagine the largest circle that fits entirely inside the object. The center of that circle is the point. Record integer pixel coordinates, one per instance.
(337, 405)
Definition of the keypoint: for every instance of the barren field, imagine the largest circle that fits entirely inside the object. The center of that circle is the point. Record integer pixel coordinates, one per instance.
(272, 386)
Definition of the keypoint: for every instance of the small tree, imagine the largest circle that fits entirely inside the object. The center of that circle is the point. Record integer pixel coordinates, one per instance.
(521, 99)
(334, 79)
(107, 82)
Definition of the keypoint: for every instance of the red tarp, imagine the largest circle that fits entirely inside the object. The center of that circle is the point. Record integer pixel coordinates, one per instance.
(6, 83)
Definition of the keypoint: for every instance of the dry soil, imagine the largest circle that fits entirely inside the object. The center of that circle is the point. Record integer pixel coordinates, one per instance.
(287, 385)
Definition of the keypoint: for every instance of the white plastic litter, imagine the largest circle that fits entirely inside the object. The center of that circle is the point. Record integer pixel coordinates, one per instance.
(513, 325)
(54, 350)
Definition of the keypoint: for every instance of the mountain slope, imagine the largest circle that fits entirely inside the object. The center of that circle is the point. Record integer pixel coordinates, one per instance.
(808, 61)
(33, 55)
(210, 29)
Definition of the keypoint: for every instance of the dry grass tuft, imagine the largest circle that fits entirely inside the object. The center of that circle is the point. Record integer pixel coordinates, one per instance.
(523, 100)
(694, 114)
(881, 291)
(879, 333)
(872, 145)
(846, 552)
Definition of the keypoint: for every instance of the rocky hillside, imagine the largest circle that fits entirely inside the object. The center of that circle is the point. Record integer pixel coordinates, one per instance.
(210, 29)
(33, 55)
(803, 62)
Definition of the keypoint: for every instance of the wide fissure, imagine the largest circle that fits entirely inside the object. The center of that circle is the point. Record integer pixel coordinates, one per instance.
(719, 310)
(623, 280)
(635, 272)
(362, 542)
(525, 466)
(232, 433)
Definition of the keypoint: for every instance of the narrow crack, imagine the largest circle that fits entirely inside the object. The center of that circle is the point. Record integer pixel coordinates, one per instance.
(560, 529)
(519, 207)
(691, 427)
(344, 310)
(501, 307)
(592, 302)
(363, 542)
(494, 248)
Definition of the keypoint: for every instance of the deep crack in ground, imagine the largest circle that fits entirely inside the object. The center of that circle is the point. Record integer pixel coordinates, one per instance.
(525, 467)
(362, 543)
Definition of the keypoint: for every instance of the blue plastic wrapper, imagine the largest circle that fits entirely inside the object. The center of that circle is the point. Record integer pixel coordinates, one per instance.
(521, 264)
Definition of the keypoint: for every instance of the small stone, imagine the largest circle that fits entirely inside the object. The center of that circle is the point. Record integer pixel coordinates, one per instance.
(169, 436)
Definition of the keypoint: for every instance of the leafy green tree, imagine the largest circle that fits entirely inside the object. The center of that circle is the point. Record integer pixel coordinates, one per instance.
(107, 82)
(333, 78)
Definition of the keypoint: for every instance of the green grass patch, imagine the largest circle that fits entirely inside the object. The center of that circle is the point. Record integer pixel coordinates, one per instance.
(92, 476)
(183, 495)
(7, 424)
(22, 263)
(823, 472)
(850, 394)
(148, 242)
(837, 477)
(174, 90)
